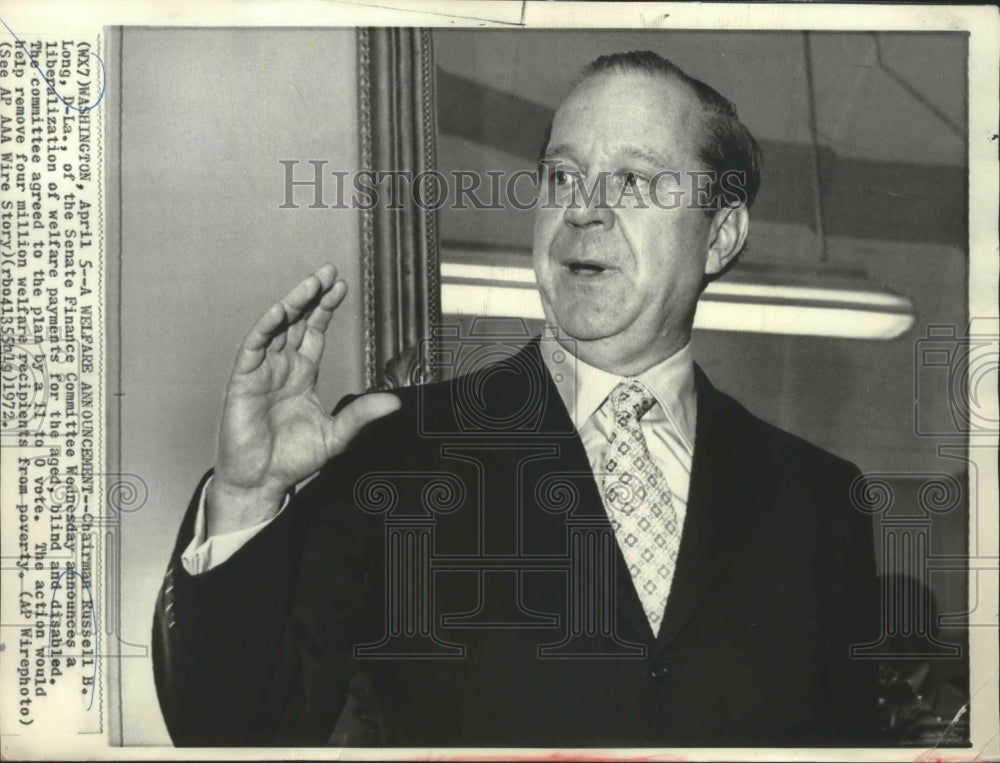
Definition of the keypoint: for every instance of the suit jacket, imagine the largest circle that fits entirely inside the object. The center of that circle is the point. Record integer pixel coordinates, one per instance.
(459, 555)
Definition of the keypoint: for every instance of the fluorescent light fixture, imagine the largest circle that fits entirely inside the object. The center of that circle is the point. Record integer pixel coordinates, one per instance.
(763, 299)
(801, 320)
(493, 301)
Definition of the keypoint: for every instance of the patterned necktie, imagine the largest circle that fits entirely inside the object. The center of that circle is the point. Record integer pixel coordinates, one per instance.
(637, 499)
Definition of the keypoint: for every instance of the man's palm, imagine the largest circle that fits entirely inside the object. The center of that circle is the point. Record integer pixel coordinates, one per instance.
(277, 427)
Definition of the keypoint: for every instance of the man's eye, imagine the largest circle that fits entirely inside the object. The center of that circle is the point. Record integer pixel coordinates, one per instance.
(561, 177)
(630, 179)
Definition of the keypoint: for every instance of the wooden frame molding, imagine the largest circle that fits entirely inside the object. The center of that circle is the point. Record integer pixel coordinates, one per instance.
(399, 247)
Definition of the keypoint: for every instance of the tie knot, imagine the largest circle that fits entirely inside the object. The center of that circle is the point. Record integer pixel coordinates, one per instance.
(632, 399)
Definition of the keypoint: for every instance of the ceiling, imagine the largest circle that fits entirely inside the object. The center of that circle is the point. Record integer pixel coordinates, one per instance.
(891, 97)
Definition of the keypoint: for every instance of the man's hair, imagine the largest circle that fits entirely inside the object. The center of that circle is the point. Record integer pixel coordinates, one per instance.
(725, 145)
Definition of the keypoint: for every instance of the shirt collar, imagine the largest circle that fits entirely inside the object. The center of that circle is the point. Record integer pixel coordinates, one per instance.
(584, 388)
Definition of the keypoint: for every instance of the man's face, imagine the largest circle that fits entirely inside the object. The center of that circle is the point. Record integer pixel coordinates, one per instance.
(619, 279)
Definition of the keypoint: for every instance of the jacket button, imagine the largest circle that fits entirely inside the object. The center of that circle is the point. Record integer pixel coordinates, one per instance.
(658, 672)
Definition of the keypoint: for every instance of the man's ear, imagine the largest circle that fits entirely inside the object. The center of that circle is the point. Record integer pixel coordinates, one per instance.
(726, 237)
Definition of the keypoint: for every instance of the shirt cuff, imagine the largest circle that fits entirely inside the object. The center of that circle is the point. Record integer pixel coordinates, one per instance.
(203, 554)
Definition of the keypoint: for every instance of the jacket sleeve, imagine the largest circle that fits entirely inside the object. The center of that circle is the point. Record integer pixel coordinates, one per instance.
(258, 650)
(849, 612)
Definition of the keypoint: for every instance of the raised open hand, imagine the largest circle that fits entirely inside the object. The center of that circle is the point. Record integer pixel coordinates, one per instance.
(275, 431)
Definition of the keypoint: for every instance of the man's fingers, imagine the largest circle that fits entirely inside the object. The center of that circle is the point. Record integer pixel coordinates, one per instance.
(259, 337)
(349, 421)
(301, 298)
(297, 330)
(311, 345)
(265, 328)
(270, 329)
(303, 301)
(320, 317)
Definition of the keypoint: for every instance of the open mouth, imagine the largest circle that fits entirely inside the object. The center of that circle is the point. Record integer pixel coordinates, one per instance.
(585, 268)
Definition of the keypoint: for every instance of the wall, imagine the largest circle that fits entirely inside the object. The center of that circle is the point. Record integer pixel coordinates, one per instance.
(206, 116)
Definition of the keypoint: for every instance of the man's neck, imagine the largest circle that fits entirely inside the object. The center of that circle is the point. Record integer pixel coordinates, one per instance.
(584, 387)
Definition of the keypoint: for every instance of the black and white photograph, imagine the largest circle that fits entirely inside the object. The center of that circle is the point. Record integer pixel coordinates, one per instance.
(551, 376)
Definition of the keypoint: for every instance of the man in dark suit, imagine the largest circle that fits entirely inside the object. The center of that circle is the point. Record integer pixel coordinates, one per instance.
(584, 544)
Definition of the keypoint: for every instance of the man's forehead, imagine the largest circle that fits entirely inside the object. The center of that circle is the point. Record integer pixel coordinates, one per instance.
(631, 112)
(619, 149)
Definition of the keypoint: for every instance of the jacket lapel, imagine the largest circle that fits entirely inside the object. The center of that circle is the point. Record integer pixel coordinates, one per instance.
(532, 386)
(724, 502)
(556, 425)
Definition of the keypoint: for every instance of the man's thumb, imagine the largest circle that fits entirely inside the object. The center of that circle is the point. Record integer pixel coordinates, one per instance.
(347, 422)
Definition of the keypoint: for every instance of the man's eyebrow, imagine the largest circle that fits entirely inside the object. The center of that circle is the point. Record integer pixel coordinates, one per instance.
(561, 150)
(645, 154)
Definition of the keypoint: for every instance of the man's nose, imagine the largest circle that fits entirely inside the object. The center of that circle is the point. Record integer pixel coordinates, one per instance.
(591, 210)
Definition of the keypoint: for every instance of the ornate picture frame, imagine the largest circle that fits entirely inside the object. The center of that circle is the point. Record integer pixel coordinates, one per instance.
(399, 238)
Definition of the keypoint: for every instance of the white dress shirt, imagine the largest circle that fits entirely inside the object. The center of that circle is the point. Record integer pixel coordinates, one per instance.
(668, 427)
(204, 552)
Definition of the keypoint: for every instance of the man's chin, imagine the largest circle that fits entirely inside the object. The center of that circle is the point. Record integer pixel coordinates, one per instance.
(584, 321)
(581, 329)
